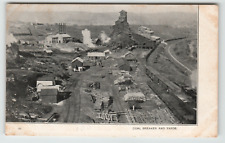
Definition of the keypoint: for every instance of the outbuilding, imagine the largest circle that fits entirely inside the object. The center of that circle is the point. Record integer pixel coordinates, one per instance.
(129, 56)
(77, 64)
(107, 52)
(48, 52)
(44, 81)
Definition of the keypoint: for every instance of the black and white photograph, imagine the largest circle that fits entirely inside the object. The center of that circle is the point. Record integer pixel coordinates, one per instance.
(102, 64)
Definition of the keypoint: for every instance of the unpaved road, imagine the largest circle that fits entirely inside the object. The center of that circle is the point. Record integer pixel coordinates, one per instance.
(70, 110)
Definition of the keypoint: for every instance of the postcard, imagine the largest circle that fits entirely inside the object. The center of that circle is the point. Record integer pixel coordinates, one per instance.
(117, 70)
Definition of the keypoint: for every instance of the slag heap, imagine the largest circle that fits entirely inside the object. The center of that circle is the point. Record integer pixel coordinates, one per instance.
(121, 34)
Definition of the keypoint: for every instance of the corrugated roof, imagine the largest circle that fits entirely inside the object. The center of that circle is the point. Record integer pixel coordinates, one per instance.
(96, 54)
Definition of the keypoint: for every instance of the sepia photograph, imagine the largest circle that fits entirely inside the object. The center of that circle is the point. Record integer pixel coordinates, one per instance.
(102, 64)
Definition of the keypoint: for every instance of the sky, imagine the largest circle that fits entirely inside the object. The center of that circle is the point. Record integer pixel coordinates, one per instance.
(100, 8)
(101, 14)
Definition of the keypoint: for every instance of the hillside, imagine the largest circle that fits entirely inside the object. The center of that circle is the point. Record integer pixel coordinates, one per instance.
(175, 19)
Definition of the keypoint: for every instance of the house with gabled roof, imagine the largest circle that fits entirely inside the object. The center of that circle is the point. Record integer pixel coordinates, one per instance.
(77, 64)
(129, 56)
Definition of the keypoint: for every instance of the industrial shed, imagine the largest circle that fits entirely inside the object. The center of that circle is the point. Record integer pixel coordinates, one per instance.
(96, 55)
(58, 38)
(143, 42)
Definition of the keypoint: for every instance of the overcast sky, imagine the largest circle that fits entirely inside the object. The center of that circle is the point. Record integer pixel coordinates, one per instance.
(100, 8)
(104, 14)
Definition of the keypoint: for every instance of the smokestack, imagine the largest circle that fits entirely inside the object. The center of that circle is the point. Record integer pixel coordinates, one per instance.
(62, 28)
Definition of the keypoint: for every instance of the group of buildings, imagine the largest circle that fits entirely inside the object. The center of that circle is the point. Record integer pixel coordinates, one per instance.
(96, 57)
(49, 90)
(61, 37)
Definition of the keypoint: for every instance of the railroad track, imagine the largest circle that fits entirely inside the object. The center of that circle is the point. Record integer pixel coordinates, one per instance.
(130, 116)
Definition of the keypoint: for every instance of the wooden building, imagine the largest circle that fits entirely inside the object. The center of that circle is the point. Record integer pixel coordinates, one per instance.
(96, 55)
(129, 56)
(77, 64)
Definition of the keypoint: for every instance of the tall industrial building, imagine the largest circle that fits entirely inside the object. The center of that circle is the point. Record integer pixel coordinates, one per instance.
(62, 28)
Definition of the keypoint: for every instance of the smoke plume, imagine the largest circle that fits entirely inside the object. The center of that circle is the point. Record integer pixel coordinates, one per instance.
(87, 38)
(104, 37)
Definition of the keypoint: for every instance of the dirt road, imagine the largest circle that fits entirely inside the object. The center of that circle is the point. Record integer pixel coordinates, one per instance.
(70, 110)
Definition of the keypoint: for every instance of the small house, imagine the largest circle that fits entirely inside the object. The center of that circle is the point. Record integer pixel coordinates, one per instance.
(107, 52)
(44, 81)
(129, 56)
(77, 64)
(48, 52)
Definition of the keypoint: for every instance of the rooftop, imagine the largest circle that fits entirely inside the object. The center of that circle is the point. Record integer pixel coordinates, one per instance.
(79, 59)
(155, 37)
(134, 95)
(49, 92)
(46, 78)
(95, 54)
(58, 35)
